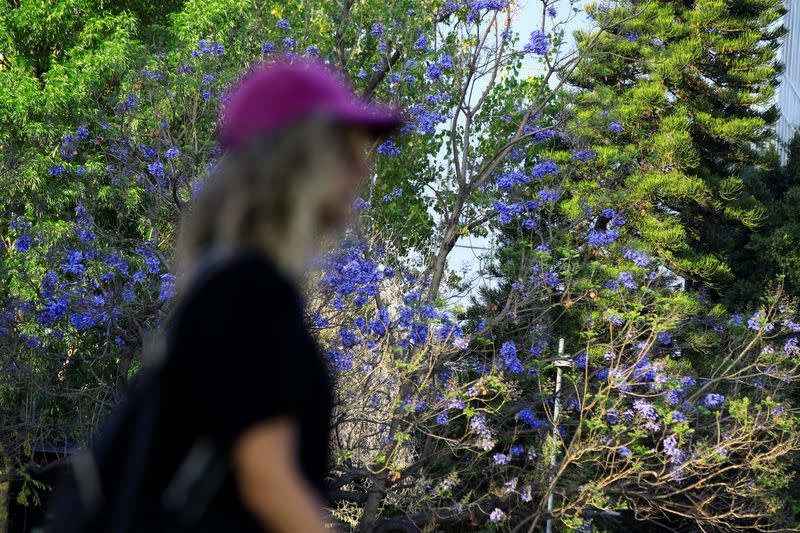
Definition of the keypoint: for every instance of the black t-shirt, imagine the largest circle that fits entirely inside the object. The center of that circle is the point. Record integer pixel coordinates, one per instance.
(238, 354)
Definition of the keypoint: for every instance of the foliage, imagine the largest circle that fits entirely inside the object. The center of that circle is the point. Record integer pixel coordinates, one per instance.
(769, 251)
(445, 418)
(678, 105)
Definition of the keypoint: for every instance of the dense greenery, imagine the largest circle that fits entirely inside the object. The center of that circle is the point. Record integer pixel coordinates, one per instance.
(601, 194)
(694, 84)
(761, 256)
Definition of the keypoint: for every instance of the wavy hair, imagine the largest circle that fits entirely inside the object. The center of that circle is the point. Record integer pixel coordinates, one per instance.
(265, 195)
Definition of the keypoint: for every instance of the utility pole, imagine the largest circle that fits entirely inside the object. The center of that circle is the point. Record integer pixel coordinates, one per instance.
(561, 363)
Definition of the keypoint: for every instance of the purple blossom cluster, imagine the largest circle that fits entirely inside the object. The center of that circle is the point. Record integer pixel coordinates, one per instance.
(713, 400)
(508, 180)
(388, 148)
(541, 169)
(508, 351)
(537, 44)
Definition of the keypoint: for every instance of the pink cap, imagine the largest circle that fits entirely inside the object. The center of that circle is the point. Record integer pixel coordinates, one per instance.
(274, 95)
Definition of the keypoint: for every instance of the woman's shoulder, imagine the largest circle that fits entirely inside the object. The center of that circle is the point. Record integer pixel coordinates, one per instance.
(245, 267)
(242, 278)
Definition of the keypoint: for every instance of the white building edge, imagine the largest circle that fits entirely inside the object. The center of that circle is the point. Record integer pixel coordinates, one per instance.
(789, 91)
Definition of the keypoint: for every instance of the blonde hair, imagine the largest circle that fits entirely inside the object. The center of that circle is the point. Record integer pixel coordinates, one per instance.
(265, 196)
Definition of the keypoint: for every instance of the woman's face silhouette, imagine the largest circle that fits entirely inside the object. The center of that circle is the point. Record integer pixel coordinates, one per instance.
(347, 178)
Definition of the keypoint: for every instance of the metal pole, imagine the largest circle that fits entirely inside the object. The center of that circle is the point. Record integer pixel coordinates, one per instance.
(556, 412)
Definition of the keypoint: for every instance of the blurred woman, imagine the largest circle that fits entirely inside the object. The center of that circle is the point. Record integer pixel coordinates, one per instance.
(241, 365)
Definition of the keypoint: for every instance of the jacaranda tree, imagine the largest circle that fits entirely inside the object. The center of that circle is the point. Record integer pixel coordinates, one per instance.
(445, 419)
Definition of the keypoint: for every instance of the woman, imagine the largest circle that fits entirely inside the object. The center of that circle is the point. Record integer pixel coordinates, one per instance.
(296, 143)
(240, 378)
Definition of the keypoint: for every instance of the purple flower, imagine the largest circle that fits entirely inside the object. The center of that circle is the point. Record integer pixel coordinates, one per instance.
(282, 24)
(791, 347)
(446, 61)
(614, 318)
(217, 49)
(551, 12)
(546, 195)
(526, 415)
(713, 401)
(167, 289)
(129, 103)
(791, 326)
(81, 321)
(84, 234)
(506, 212)
(360, 204)
(639, 258)
(289, 42)
(497, 515)
(632, 36)
(151, 259)
(56, 170)
(74, 264)
(23, 243)
(434, 72)
(615, 126)
(538, 43)
(508, 180)
(645, 409)
(377, 30)
(758, 321)
(421, 43)
(600, 239)
(156, 169)
(19, 223)
(540, 135)
(388, 149)
(267, 48)
(492, 5)
(674, 396)
(508, 351)
(339, 361)
(501, 459)
(672, 451)
(624, 451)
(665, 338)
(173, 153)
(678, 417)
(584, 154)
(442, 419)
(626, 278)
(543, 168)
(613, 217)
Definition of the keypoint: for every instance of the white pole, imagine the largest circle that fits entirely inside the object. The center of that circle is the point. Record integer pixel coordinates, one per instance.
(556, 412)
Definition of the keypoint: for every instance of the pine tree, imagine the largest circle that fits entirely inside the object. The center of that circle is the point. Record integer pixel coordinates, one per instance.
(773, 249)
(683, 96)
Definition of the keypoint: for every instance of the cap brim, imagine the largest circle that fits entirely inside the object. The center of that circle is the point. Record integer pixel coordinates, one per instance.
(379, 120)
